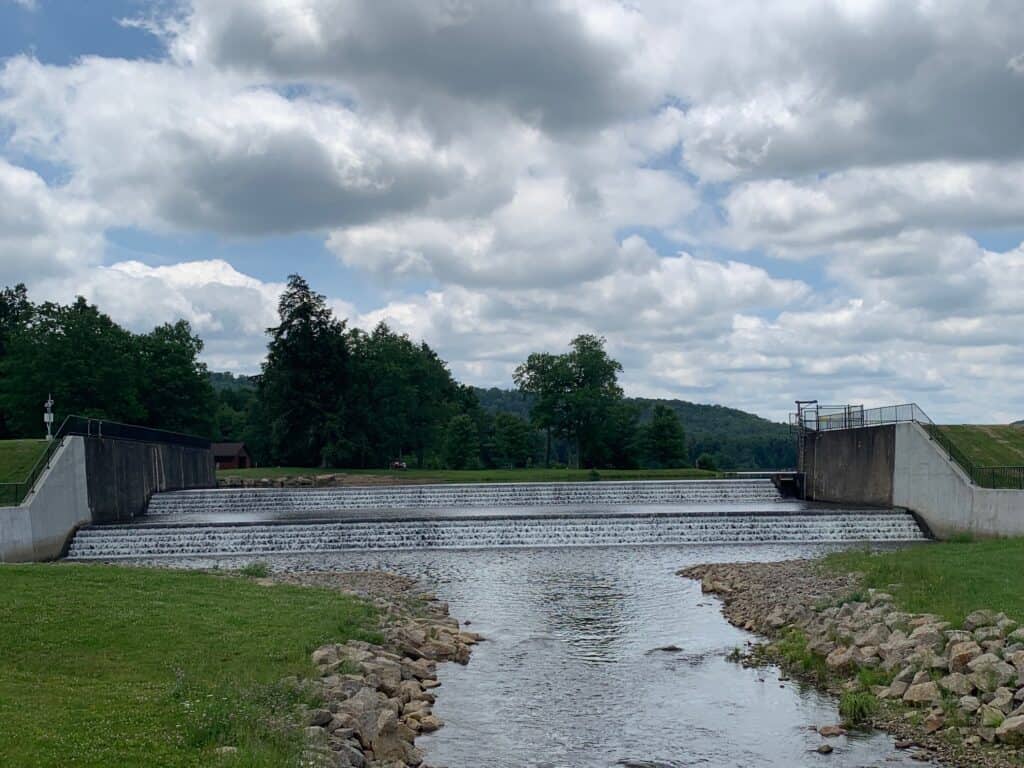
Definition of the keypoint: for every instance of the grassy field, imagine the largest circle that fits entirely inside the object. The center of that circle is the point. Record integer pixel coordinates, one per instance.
(949, 579)
(539, 475)
(105, 666)
(17, 458)
(989, 445)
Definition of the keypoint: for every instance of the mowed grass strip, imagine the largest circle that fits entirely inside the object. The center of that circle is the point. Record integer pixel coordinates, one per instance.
(992, 445)
(949, 579)
(108, 666)
(540, 475)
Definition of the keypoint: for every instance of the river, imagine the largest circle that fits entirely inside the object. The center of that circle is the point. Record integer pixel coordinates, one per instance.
(570, 676)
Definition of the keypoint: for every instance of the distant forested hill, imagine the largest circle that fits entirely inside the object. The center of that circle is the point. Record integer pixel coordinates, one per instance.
(734, 438)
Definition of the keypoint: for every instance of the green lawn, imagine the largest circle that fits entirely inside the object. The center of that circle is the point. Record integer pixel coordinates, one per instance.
(481, 475)
(103, 666)
(997, 445)
(949, 579)
(17, 458)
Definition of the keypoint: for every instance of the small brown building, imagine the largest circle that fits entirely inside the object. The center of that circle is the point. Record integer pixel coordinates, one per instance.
(230, 456)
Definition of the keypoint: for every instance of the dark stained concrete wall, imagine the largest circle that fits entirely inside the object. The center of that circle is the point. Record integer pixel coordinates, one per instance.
(851, 466)
(123, 474)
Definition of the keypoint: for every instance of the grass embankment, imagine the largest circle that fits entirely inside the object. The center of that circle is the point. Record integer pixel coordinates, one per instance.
(105, 666)
(539, 475)
(998, 445)
(17, 457)
(949, 579)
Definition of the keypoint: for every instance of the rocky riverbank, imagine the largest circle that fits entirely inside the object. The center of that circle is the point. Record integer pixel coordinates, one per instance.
(955, 694)
(375, 699)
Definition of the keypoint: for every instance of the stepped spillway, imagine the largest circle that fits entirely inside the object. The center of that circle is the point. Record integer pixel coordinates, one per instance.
(270, 521)
(133, 541)
(319, 500)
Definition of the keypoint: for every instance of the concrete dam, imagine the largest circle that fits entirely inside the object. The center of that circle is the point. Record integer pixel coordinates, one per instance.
(272, 521)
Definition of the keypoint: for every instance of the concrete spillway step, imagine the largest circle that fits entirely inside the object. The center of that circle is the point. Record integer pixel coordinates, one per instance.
(312, 500)
(109, 542)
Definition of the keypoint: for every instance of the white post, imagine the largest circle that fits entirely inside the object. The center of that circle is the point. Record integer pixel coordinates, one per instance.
(48, 418)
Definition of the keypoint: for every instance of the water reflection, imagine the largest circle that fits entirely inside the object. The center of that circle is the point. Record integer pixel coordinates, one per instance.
(568, 678)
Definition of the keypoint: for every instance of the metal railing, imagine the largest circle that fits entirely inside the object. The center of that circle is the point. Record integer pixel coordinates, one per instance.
(14, 493)
(824, 418)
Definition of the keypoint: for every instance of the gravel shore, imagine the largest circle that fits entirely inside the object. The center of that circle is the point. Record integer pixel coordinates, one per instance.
(954, 695)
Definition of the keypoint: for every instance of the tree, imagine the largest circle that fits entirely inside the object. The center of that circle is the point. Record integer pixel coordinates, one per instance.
(461, 443)
(304, 376)
(401, 398)
(15, 313)
(664, 441)
(575, 395)
(177, 394)
(548, 378)
(79, 355)
(513, 440)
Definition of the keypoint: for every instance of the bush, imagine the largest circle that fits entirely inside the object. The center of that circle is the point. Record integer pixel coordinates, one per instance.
(255, 570)
(706, 461)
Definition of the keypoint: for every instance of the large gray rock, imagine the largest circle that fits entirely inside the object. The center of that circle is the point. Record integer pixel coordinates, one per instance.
(923, 693)
(1011, 731)
(843, 658)
(962, 654)
(989, 672)
(980, 618)
(874, 635)
(1002, 700)
(970, 704)
(393, 740)
(957, 683)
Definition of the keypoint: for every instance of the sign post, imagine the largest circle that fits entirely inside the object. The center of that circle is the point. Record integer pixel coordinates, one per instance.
(48, 418)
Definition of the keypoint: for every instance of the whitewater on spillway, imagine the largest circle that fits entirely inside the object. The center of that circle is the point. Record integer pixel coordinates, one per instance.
(276, 521)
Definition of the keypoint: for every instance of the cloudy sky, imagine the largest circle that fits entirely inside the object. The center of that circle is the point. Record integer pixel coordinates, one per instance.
(753, 201)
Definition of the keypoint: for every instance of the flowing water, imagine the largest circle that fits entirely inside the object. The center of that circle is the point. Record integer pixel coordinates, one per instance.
(571, 675)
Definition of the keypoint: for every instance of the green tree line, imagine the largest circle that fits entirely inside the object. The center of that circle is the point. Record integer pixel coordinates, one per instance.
(333, 395)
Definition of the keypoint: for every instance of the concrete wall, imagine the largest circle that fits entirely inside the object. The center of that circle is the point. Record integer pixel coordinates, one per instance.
(93, 479)
(40, 527)
(850, 466)
(928, 483)
(123, 474)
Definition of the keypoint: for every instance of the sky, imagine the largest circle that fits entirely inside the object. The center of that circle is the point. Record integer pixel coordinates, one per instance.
(753, 201)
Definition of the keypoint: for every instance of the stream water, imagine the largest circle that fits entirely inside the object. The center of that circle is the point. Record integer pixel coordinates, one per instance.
(570, 676)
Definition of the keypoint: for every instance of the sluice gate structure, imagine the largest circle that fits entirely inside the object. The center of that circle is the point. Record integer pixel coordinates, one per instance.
(896, 456)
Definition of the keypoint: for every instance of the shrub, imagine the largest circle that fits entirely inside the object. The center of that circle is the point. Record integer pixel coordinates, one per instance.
(255, 570)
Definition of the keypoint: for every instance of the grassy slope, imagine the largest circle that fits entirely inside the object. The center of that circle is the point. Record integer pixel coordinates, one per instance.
(17, 458)
(481, 475)
(106, 666)
(950, 579)
(989, 445)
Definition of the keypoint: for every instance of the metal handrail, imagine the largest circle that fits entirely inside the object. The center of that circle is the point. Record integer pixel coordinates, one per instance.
(824, 418)
(14, 493)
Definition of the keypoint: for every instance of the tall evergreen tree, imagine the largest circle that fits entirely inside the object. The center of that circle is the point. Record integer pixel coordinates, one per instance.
(304, 378)
(664, 439)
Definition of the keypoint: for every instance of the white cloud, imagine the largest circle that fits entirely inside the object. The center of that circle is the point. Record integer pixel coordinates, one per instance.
(532, 163)
(228, 309)
(43, 231)
(171, 147)
(815, 215)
